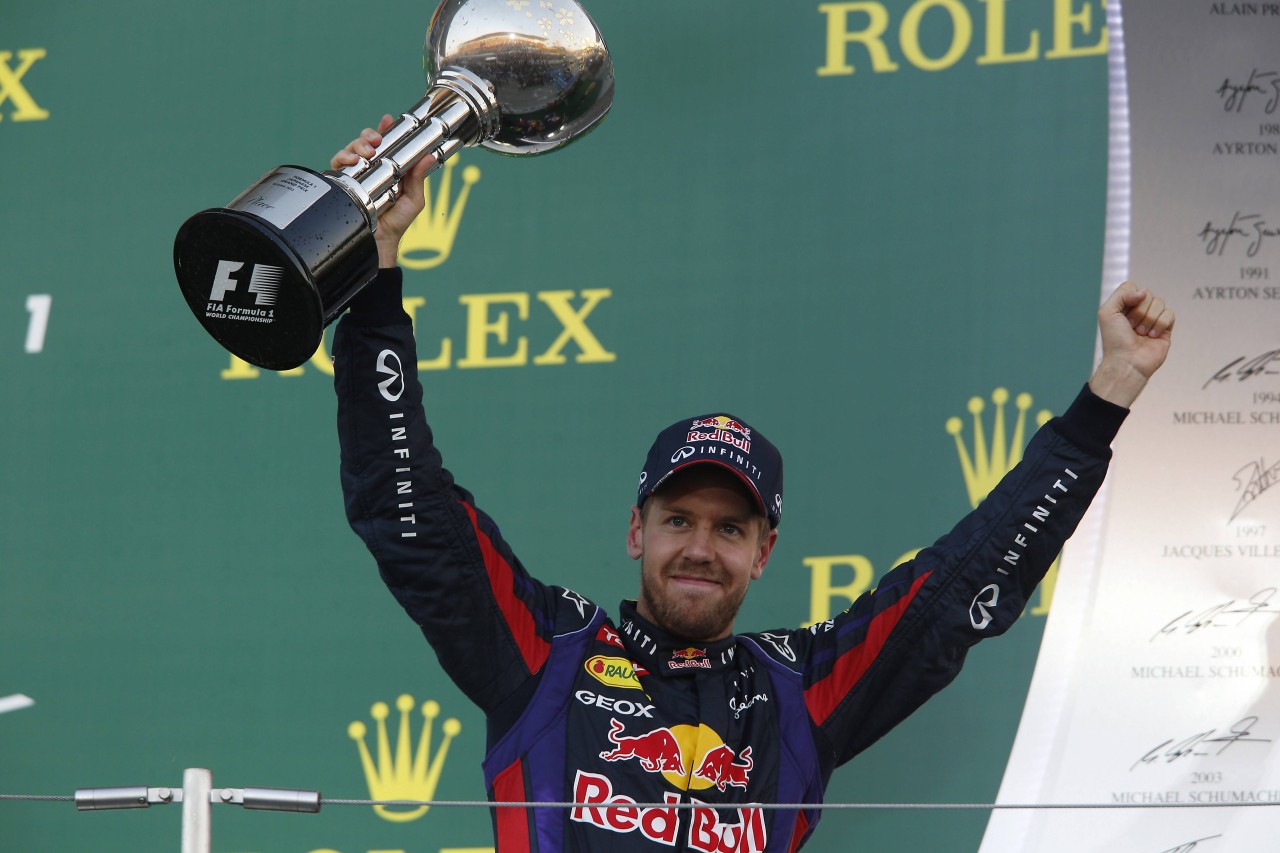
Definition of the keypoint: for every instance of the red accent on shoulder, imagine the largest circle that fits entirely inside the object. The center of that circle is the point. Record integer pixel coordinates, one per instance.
(802, 826)
(533, 648)
(512, 824)
(824, 695)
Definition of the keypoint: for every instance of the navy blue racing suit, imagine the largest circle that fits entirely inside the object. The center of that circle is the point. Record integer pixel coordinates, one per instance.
(582, 707)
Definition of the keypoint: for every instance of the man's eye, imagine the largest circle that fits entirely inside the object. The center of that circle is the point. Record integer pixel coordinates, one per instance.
(677, 521)
(732, 529)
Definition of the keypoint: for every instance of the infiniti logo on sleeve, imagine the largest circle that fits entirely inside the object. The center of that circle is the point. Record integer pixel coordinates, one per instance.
(393, 386)
(979, 606)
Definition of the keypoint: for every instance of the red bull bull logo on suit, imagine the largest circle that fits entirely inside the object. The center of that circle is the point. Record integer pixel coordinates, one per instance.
(658, 751)
(722, 768)
(691, 758)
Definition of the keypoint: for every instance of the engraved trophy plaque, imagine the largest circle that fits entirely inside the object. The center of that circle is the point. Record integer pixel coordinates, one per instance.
(268, 272)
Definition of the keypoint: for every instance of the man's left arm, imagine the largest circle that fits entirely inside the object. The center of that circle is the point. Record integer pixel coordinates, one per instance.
(873, 665)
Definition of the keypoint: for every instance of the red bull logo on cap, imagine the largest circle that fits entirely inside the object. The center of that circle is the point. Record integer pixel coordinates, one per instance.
(743, 444)
(721, 422)
(720, 428)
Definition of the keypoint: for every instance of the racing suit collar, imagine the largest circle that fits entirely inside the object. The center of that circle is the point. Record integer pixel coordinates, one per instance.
(662, 653)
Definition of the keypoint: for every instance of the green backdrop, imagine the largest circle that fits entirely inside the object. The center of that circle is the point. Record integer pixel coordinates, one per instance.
(841, 220)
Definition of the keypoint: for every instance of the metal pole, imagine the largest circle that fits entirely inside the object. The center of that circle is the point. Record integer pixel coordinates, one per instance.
(197, 785)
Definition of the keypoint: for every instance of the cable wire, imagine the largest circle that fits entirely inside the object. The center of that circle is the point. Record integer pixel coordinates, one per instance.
(794, 806)
(485, 804)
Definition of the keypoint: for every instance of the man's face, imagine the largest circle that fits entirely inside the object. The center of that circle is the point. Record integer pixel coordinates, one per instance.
(700, 542)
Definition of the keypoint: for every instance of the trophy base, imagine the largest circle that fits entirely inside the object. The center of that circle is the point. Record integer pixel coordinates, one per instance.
(266, 274)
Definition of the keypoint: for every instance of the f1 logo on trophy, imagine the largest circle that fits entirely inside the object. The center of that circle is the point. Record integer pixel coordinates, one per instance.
(268, 272)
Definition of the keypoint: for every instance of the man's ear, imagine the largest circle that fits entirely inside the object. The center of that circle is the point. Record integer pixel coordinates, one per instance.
(635, 535)
(762, 556)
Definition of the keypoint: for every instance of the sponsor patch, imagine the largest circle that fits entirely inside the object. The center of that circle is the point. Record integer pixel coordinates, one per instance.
(613, 671)
(691, 758)
(689, 658)
(703, 827)
(610, 636)
(625, 707)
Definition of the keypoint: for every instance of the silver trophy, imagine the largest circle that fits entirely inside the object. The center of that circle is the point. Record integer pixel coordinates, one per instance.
(268, 272)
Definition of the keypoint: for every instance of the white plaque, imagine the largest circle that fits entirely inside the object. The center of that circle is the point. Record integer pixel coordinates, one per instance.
(1158, 683)
(281, 200)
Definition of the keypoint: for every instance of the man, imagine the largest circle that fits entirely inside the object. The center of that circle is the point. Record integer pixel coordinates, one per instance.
(667, 705)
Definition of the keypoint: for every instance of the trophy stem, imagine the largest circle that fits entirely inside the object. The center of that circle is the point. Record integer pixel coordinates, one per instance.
(458, 111)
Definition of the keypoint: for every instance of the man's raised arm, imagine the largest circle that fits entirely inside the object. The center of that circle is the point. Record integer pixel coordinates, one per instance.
(1136, 328)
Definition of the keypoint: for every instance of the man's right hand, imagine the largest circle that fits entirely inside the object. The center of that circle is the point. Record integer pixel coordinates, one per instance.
(1136, 327)
(395, 221)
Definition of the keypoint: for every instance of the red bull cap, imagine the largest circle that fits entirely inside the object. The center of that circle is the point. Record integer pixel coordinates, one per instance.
(720, 439)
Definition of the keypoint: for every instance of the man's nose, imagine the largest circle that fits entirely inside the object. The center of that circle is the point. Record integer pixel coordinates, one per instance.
(698, 546)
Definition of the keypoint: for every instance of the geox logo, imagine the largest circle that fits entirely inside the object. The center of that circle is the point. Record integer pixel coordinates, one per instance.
(403, 773)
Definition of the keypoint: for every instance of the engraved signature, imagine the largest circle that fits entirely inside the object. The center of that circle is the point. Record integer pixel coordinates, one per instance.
(258, 200)
(1243, 368)
(1170, 751)
(1216, 237)
(1257, 480)
(1220, 615)
(1188, 846)
(1234, 94)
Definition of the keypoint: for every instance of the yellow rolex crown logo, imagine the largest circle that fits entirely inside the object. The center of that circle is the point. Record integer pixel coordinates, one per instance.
(409, 775)
(429, 240)
(984, 467)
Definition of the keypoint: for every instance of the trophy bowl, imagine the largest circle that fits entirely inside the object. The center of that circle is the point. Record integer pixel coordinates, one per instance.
(267, 273)
(549, 68)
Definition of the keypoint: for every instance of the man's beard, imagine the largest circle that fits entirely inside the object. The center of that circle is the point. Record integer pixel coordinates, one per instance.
(699, 622)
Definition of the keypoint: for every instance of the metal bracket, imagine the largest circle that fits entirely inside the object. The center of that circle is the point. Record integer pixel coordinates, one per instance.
(197, 794)
(137, 797)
